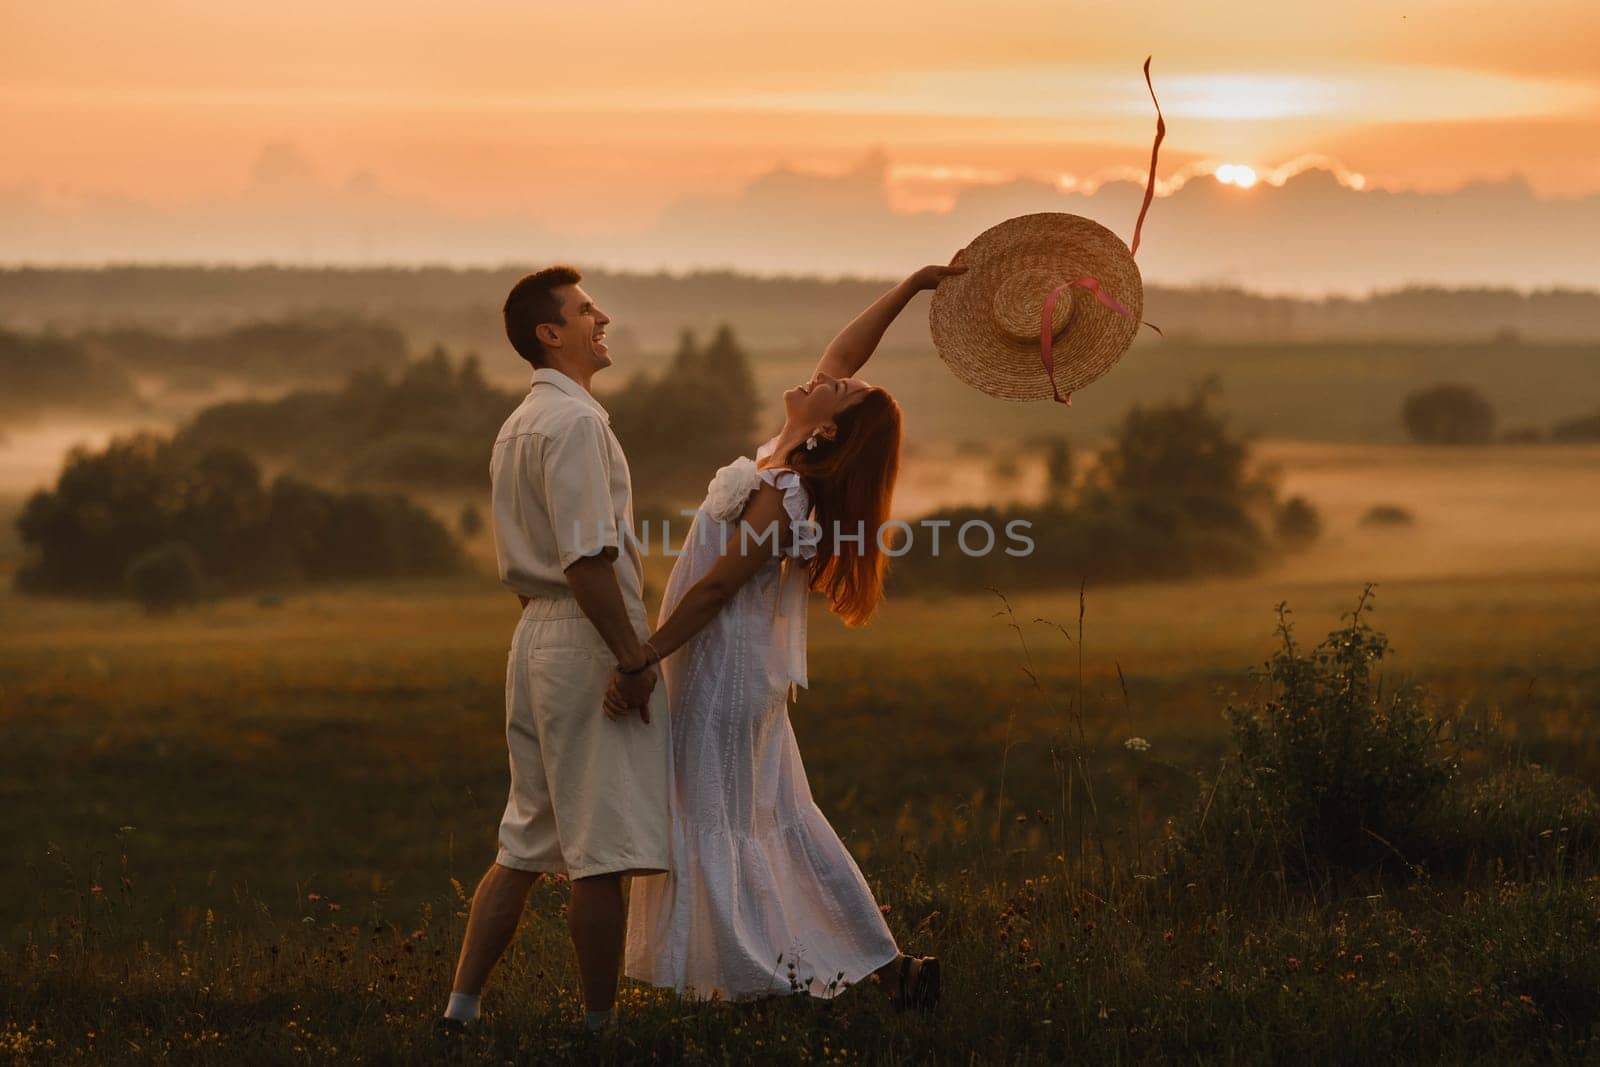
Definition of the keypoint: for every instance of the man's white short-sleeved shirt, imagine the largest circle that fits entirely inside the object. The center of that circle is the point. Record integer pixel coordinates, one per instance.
(561, 491)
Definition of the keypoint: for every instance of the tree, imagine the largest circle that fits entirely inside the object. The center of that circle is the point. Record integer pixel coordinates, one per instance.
(1058, 470)
(1173, 495)
(677, 429)
(1448, 415)
(1297, 523)
(727, 365)
(1181, 452)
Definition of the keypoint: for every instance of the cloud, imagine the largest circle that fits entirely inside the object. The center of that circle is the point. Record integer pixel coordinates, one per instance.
(1312, 233)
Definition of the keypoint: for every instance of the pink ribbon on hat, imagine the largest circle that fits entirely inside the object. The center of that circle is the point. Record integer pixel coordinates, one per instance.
(1047, 355)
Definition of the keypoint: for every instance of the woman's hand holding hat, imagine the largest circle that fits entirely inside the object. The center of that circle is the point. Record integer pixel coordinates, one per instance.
(930, 276)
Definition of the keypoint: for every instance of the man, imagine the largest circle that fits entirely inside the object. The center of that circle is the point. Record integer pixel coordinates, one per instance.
(589, 786)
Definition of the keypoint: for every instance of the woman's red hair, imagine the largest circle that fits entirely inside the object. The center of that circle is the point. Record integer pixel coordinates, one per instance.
(851, 482)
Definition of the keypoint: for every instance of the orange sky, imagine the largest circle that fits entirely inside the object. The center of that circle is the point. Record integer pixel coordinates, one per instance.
(592, 116)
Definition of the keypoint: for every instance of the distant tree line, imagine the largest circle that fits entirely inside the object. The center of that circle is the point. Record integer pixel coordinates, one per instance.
(1173, 495)
(312, 347)
(150, 517)
(101, 370)
(169, 519)
(423, 425)
(40, 373)
(432, 425)
(459, 304)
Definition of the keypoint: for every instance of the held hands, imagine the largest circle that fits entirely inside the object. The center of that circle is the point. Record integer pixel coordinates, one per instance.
(930, 276)
(628, 692)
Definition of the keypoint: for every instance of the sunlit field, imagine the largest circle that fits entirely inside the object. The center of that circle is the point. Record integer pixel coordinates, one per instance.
(248, 829)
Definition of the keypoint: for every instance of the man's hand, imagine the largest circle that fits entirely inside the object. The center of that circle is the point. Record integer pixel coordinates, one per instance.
(628, 692)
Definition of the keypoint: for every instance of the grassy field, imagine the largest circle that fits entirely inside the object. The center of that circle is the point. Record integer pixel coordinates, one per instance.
(247, 832)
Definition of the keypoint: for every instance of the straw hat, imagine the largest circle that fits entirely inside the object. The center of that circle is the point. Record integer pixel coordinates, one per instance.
(987, 323)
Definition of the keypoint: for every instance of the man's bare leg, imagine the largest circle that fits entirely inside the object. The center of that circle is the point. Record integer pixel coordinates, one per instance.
(497, 906)
(597, 920)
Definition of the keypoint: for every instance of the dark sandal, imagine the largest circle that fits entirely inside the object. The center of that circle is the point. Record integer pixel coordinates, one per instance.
(922, 994)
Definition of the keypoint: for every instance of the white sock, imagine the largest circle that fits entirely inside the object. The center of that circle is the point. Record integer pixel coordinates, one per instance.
(597, 1020)
(463, 1008)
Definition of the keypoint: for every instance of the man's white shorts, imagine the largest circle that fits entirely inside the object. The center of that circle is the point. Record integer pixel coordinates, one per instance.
(589, 795)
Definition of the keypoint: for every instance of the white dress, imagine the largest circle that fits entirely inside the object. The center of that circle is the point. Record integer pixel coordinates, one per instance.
(758, 879)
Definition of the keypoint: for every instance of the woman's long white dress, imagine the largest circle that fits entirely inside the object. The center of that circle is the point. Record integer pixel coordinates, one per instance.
(759, 880)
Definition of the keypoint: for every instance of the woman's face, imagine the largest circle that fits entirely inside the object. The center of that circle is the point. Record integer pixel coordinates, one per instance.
(818, 402)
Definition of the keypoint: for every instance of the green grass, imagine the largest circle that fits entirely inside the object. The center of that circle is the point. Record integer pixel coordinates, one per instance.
(284, 809)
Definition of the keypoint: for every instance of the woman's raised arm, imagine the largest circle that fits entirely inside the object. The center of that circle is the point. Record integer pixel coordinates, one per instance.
(854, 345)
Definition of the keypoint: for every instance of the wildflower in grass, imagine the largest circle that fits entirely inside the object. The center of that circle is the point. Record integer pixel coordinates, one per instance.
(1136, 744)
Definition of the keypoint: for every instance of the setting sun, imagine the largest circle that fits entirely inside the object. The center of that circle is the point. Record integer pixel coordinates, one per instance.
(1236, 174)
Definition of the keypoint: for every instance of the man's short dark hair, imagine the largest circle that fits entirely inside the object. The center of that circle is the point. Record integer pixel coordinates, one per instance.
(532, 303)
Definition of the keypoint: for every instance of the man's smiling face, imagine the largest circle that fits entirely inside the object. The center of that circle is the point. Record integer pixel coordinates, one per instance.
(582, 337)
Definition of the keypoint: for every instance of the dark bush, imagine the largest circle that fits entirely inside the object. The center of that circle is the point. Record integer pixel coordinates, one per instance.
(1387, 515)
(1448, 415)
(1296, 523)
(1586, 428)
(166, 577)
(1171, 497)
(1330, 774)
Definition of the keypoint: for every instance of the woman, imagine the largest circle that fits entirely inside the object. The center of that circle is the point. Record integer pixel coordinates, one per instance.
(763, 898)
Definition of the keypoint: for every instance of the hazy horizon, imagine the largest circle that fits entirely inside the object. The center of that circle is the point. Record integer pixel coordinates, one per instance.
(1357, 150)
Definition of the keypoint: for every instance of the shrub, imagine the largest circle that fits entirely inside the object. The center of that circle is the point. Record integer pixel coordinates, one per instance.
(1297, 523)
(1387, 515)
(1448, 415)
(1330, 775)
(166, 577)
(1586, 428)
(1172, 496)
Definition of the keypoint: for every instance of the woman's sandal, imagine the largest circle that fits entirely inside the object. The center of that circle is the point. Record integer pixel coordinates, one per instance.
(922, 993)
